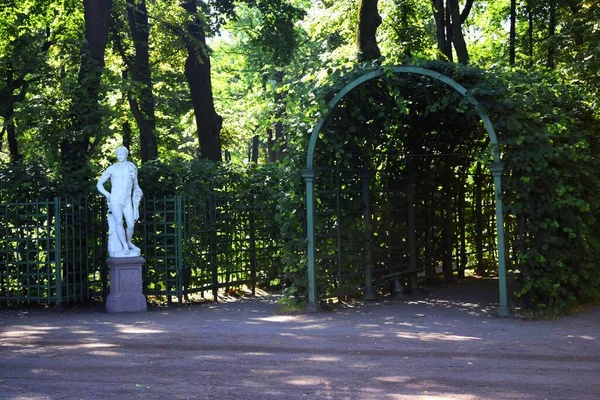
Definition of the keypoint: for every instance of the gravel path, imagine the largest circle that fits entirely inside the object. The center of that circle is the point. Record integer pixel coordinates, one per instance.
(443, 344)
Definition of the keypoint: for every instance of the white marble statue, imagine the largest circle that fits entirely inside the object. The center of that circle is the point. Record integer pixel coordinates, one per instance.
(123, 203)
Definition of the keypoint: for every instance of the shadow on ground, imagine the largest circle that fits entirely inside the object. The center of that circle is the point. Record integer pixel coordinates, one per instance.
(443, 343)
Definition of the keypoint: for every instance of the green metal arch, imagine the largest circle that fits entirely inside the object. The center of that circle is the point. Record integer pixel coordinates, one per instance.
(312, 144)
(496, 169)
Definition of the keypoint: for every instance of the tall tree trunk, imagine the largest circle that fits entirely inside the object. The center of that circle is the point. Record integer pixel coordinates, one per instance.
(439, 16)
(197, 72)
(280, 138)
(458, 39)
(448, 25)
(13, 144)
(141, 99)
(271, 146)
(85, 114)
(530, 34)
(551, 35)
(7, 106)
(254, 149)
(448, 21)
(512, 41)
(578, 27)
(368, 22)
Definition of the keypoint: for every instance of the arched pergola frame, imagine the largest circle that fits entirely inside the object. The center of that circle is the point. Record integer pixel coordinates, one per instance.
(495, 168)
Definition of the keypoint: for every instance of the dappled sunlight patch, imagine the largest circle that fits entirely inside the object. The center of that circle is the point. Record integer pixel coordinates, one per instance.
(269, 372)
(321, 359)
(83, 332)
(296, 336)
(214, 357)
(393, 379)
(441, 396)
(372, 335)
(433, 336)
(475, 309)
(45, 372)
(258, 353)
(132, 329)
(24, 330)
(105, 353)
(277, 318)
(86, 346)
(307, 381)
(584, 337)
(312, 327)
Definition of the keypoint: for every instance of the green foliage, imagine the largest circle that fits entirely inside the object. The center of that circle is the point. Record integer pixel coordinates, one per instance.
(551, 139)
(25, 182)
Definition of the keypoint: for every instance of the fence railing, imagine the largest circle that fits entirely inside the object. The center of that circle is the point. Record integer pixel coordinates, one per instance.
(54, 251)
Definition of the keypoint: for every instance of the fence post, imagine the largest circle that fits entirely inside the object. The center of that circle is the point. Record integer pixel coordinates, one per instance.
(213, 245)
(179, 244)
(252, 244)
(57, 251)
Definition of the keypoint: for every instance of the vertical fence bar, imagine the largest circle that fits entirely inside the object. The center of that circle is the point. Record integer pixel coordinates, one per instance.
(252, 227)
(368, 261)
(179, 245)
(213, 245)
(57, 251)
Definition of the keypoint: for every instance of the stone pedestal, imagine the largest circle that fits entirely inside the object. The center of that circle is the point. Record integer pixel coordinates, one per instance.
(125, 285)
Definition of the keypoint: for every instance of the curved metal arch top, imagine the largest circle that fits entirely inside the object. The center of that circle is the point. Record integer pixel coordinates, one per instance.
(312, 144)
(309, 175)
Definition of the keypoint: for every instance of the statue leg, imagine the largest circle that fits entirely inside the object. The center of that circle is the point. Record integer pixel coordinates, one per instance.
(129, 220)
(117, 214)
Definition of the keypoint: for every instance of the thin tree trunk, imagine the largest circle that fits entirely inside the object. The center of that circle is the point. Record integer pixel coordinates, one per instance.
(141, 99)
(85, 114)
(8, 109)
(126, 126)
(280, 138)
(197, 72)
(368, 22)
(552, 35)
(513, 33)
(254, 150)
(440, 24)
(271, 146)
(530, 34)
(457, 35)
(448, 25)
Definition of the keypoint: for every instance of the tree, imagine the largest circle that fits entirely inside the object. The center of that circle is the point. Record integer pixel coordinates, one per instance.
(513, 32)
(448, 21)
(368, 22)
(85, 115)
(198, 74)
(25, 42)
(140, 92)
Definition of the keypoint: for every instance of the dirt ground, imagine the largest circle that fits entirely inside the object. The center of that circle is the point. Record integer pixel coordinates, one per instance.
(445, 343)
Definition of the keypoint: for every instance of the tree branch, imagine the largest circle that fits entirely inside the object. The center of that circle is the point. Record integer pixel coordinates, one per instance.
(465, 13)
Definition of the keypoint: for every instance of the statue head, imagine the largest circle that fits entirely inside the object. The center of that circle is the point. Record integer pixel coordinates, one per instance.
(121, 153)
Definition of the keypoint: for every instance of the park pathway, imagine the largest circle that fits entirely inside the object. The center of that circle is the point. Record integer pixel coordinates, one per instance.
(445, 343)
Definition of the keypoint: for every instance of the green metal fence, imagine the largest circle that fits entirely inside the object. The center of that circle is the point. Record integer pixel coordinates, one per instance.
(54, 251)
(51, 251)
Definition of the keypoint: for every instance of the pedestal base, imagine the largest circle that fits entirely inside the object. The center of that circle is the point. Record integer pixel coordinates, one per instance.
(125, 285)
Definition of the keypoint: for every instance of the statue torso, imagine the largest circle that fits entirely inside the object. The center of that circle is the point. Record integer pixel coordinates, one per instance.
(122, 176)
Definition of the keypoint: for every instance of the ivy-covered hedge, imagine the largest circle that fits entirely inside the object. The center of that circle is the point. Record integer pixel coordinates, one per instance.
(550, 141)
(549, 134)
